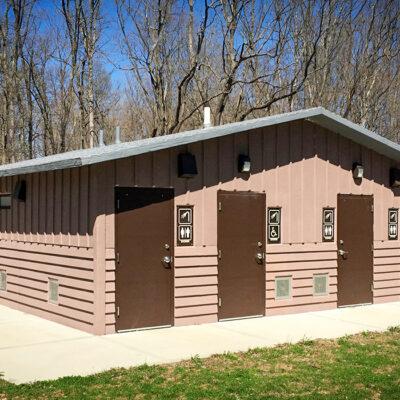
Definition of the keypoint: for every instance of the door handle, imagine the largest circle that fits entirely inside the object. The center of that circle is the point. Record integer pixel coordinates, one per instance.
(259, 258)
(167, 261)
(342, 253)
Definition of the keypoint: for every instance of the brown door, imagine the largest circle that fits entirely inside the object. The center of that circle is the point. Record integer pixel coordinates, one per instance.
(144, 236)
(241, 237)
(355, 258)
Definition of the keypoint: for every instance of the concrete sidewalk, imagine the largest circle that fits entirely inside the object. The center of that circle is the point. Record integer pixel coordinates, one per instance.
(33, 349)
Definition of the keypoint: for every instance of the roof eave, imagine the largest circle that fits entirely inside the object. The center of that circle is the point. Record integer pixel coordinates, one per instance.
(51, 166)
(317, 115)
(357, 133)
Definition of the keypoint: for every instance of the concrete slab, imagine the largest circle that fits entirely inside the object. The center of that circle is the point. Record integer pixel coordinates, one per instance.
(34, 349)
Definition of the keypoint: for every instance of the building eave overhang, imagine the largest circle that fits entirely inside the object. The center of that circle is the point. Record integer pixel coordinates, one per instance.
(318, 116)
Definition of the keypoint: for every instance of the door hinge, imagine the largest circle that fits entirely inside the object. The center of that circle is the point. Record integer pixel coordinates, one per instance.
(219, 206)
(117, 257)
(117, 204)
(372, 208)
(372, 287)
(117, 312)
(219, 302)
(219, 254)
(372, 247)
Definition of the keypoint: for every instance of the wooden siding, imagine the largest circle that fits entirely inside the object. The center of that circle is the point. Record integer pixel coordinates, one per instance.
(29, 267)
(386, 271)
(301, 168)
(301, 262)
(51, 236)
(196, 285)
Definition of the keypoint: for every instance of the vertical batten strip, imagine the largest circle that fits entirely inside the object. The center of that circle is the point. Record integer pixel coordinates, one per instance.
(58, 195)
(50, 208)
(99, 238)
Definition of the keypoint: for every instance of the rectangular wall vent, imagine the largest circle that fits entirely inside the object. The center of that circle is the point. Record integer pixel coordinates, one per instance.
(5, 201)
(283, 287)
(53, 291)
(320, 284)
(3, 280)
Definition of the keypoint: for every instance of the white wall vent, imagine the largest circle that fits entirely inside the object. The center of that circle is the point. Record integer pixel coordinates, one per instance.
(5, 201)
(53, 291)
(283, 287)
(320, 284)
(3, 280)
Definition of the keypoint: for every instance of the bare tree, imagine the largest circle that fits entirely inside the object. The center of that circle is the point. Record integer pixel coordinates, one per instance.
(15, 20)
(90, 32)
(164, 53)
(243, 58)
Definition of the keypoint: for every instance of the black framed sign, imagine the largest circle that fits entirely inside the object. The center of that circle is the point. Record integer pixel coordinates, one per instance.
(185, 225)
(393, 218)
(328, 224)
(274, 225)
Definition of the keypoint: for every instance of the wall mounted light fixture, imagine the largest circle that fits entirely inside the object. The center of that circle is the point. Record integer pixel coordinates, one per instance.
(358, 171)
(394, 177)
(187, 167)
(244, 164)
(20, 191)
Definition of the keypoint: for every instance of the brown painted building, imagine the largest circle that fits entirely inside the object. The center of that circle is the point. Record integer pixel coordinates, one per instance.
(290, 213)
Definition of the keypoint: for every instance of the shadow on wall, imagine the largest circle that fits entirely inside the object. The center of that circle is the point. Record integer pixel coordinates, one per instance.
(67, 202)
(276, 147)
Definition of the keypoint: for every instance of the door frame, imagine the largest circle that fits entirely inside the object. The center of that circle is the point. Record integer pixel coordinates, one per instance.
(264, 241)
(172, 253)
(371, 197)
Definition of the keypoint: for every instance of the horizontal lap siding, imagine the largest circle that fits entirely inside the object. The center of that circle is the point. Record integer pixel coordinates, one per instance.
(196, 286)
(386, 272)
(301, 262)
(28, 274)
(301, 168)
(50, 235)
(110, 292)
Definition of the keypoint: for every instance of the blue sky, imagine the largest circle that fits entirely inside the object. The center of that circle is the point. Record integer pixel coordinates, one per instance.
(109, 41)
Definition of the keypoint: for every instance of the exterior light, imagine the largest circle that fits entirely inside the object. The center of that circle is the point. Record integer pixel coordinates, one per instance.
(394, 177)
(358, 171)
(20, 191)
(244, 164)
(187, 167)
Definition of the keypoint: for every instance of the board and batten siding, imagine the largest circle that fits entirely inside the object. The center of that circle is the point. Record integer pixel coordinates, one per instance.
(300, 166)
(53, 235)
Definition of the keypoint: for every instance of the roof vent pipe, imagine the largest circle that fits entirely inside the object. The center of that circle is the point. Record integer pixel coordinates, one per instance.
(207, 117)
(101, 138)
(117, 135)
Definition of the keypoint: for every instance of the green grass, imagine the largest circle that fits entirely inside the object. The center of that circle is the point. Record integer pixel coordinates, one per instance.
(364, 366)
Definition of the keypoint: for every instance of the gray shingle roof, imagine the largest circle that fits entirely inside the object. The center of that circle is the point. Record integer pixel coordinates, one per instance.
(317, 115)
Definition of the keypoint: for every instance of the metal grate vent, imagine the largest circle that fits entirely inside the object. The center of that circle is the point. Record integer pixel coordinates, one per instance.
(3, 280)
(53, 291)
(283, 287)
(320, 284)
(5, 201)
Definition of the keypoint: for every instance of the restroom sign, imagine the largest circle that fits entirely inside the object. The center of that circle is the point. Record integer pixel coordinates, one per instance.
(185, 225)
(393, 223)
(185, 215)
(328, 224)
(185, 233)
(274, 225)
